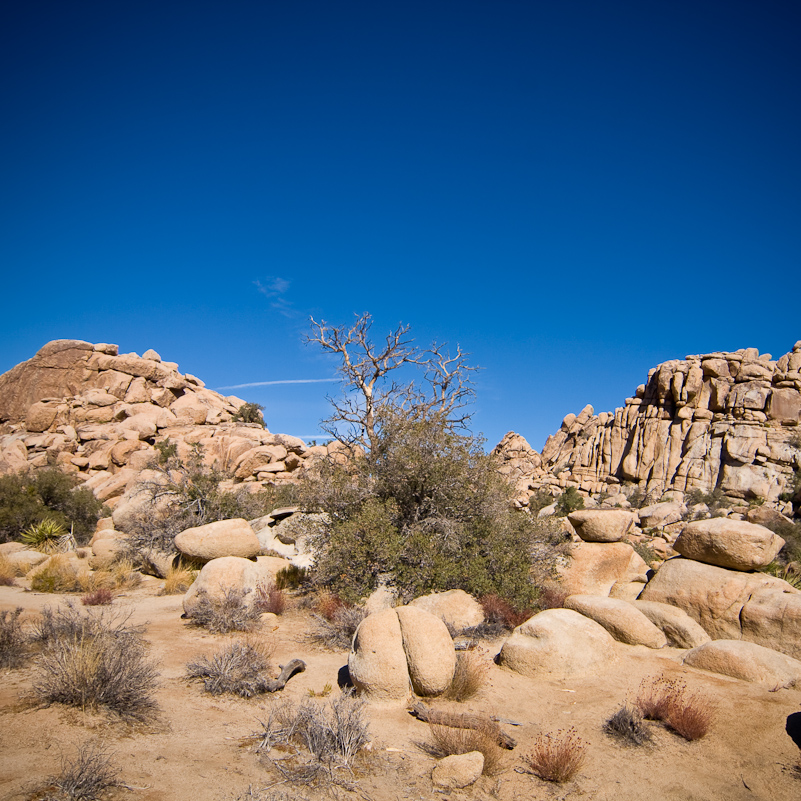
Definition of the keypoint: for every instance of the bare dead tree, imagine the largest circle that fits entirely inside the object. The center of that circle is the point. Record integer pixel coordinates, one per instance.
(368, 371)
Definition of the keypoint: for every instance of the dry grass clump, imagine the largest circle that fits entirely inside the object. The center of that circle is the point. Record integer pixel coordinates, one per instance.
(328, 605)
(179, 579)
(557, 757)
(8, 572)
(469, 676)
(447, 741)
(57, 574)
(552, 596)
(225, 613)
(96, 661)
(13, 642)
(627, 726)
(332, 734)
(688, 714)
(99, 597)
(84, 778)
(337, 634)
(239, 668)
(270, 599)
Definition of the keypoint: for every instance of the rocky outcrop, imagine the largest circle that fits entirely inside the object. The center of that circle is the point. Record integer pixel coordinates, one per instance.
(746, 661)
(623, 621)
(91, 411)
(727, 421)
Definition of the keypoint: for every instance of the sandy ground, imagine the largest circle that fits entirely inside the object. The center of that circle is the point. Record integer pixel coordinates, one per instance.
(199, 748)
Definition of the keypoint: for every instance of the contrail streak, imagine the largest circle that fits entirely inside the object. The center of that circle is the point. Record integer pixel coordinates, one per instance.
(283, 381)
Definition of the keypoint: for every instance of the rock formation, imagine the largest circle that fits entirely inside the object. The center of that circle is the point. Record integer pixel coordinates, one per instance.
(727, 421)
(99, 414)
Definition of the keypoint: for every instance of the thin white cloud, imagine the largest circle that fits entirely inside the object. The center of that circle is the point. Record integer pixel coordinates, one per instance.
(274, 288)
(283, 381)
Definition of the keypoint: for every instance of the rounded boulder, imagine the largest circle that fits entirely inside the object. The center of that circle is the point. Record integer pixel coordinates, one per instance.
(455, 607)
(215, 540)
(622, 620)
(222, 575)
(602, 525)
(734, 544)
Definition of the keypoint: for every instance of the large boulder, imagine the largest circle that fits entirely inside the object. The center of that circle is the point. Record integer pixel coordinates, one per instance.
(377, 661)
(455, 607)
(622, 620)
(594, 568)
(222, 538)
(221, 576)
(602, 525)
(558, 643)
(747, 661)
(430, 655)
(773, 618)
(735, 544)
(679, 628)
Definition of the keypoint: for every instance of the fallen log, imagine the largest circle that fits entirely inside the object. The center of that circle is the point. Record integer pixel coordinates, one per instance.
(287, 672)
(457, 720)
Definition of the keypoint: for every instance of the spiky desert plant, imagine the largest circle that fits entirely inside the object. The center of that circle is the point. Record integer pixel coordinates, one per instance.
(46, 535)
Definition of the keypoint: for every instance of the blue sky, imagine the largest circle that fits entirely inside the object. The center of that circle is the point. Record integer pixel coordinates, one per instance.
(573, 191)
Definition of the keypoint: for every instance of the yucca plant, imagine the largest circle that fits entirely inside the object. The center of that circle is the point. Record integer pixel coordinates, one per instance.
(47, 535)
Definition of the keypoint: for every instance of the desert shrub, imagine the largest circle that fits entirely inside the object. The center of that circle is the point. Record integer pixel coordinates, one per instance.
(552, 596)
(84, 778)
(789, 573)
(499, 611)
(448, 741)
(627, 726)
(469, 676)
(179, 579)
(539, 500)
(239, 668)
(269, 599)
(58, 574)
(99, 597)
(569, 501)
(557, 757)
(13, 642)
(45, 535)
(657, 695)
(94, 661)
(691, 715)
(333, 734)
(327, 604)
(224, 613)
(47, 494)
(118, 575)
(291, 577)
(249, 413)
(7, 572)
(644, 551)
(337, 633)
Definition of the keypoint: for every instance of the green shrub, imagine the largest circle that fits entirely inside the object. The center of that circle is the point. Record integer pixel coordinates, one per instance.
(249, 413)
(46, 535)
(569, 501)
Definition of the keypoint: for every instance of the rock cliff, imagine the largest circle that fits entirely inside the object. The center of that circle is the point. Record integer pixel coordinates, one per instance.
(727, 421)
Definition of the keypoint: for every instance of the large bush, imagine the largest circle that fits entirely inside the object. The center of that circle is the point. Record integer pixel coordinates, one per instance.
(425, 509)
(26, 500)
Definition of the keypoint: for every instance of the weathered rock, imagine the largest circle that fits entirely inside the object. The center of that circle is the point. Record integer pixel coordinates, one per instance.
(602, 525)
(381, 598)
(455, 607)
(747, 661)
(658, 515)
(458, 770)
(558, 643)
(622, 620)
(772, 617)
(729, 543)
(679, 628)
(108, 547)
(377, 661)
(430, 656)
(228, 573)
(222, 538)
(594, 567)
(24, 560)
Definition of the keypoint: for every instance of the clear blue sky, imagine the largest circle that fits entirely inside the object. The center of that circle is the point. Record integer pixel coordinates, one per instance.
(572, 190)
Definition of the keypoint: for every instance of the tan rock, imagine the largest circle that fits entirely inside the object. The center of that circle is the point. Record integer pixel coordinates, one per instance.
(602, 525)
(622, 620)
(747, 661)
(594, 567)
(430, 656)
(458, 770)
(455, 607)
(107, 548)
(225, 574)
(558, 643)
(679, 628)
(221, 538)
(377, 661)
(772, 617)
(40, 416)
(734, 544)
(25, 560)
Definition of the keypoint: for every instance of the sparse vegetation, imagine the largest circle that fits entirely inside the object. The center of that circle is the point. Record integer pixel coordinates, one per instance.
(627, 726)
(224, 613)
(239, 668)
(179, 579)
(249, 413)
(447, 741)
(336, 633)
(84, 778)
(291, 577)
(7, 572)
(498, 611)
(270, 599)
(57, 574)
(668, 700)
(569, 501)
(557, 757)
(13, 642)
(470, 674)
(99, 597)
(94, 660)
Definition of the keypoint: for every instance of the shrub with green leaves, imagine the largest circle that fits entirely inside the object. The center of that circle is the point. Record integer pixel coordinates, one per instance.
(569, 501)
(249, 413)
(46, 535)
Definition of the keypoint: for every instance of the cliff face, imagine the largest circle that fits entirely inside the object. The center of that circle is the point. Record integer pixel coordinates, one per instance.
(720, 420)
